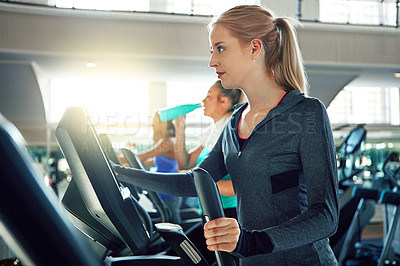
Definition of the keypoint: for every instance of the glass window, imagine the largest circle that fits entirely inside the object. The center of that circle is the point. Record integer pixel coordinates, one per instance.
(212, 7)
(370, 105)
(358, 12)
(340, 108)
(107, 101)
(126, 5)
(198, 7)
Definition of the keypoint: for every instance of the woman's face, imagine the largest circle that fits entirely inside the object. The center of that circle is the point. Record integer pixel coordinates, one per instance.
(230, 59)
(211, 102)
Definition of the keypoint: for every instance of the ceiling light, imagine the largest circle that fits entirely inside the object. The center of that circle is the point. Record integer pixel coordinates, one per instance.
(90, 64)
(397, 75)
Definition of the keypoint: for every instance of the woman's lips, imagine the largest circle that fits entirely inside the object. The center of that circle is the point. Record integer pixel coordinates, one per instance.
(220, 74)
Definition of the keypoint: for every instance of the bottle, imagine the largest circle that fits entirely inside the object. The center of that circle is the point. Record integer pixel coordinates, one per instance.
(169, 113)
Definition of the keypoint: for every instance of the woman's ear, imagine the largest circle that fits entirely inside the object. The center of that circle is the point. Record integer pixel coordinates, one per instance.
(256, 47)
(225, 101)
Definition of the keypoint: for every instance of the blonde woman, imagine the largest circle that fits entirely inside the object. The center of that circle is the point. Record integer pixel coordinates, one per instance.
(278, 148)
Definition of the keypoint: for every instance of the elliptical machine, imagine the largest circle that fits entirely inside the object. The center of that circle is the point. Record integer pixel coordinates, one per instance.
(348, 151)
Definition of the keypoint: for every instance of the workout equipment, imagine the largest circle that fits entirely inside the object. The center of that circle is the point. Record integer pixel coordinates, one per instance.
(162, 209)
(170, 113)
(132, 159)
(369, 254)
(116, 225)
(162, 214)
(110, 153)
(363, 195)
(32, 222)
(173, 234)
(211, 205)
(389, 197)
(189, 216)
(347, 152)
(108, 149)
(99, 206)
(391, 169)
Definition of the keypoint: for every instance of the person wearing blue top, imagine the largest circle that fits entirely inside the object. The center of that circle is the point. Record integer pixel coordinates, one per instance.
(162, 156)
(218, 104)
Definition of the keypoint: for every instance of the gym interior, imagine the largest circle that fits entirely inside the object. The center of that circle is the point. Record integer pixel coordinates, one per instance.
(104, 68)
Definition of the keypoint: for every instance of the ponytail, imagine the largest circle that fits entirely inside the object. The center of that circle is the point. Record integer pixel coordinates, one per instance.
(288, 70)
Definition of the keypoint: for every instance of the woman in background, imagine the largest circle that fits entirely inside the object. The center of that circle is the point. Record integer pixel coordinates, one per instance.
(162, 156)
(218, 104)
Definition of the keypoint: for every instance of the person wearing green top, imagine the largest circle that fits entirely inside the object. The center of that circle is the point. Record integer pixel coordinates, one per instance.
(218, 104)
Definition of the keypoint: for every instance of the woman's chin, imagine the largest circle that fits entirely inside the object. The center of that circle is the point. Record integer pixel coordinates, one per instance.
(226, 85)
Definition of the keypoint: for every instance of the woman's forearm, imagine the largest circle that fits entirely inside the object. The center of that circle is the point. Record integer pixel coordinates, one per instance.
(181, 153)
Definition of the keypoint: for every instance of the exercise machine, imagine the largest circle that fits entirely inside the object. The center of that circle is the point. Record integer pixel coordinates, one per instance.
(162, 213)
(33, 224)
(348, 151)
(368, 253)
(118, 228)
(363, 196)
(189, 216)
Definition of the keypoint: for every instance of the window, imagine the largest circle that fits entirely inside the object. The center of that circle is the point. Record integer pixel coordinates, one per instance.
(197, 7)
(125, 5)
(358, 12)
(108, 101)
(370, 105)
(212, 7)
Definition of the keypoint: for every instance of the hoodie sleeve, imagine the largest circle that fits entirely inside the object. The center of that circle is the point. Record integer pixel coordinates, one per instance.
(175, 184)
(179, 184)
(214, 162)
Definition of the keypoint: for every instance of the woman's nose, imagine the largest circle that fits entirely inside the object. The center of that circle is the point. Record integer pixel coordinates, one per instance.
(212, 62)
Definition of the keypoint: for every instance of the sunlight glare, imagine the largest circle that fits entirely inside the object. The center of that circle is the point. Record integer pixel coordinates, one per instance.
(106, 99)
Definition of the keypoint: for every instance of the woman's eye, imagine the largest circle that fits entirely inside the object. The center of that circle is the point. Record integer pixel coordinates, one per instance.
(220, 49)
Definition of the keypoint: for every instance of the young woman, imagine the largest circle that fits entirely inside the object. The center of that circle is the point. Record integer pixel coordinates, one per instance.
(278, 148)
(218, 104)
(162, 156)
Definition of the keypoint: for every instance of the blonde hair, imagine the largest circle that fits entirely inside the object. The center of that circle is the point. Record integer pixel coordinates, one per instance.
(282, 53)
